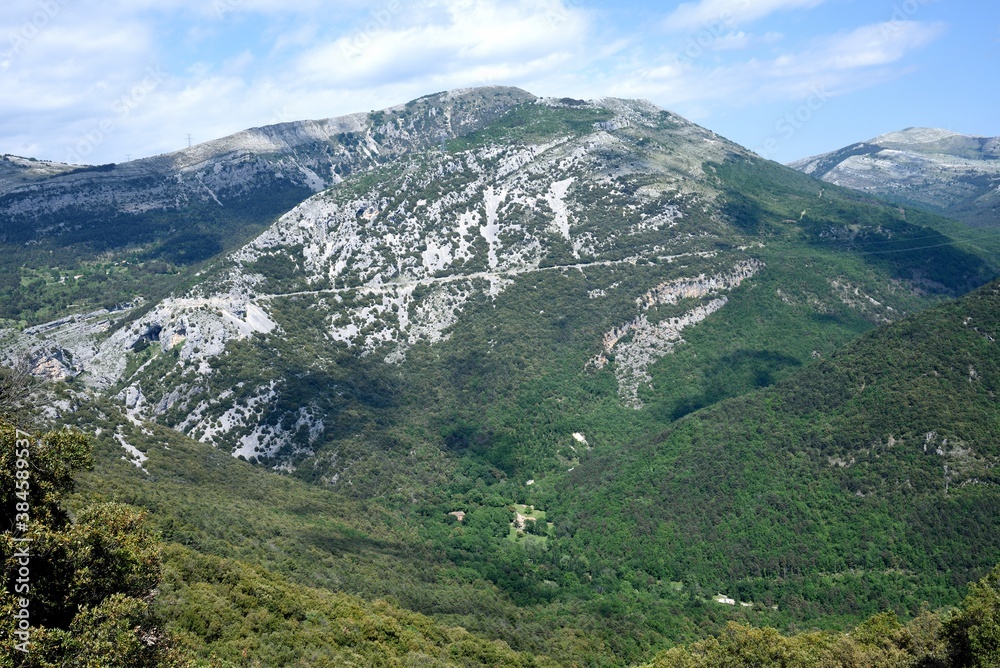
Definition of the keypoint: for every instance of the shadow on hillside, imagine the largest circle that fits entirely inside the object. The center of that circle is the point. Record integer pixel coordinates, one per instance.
(735, 374)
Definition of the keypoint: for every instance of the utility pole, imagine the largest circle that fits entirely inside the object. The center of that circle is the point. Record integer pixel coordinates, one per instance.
(189, 141)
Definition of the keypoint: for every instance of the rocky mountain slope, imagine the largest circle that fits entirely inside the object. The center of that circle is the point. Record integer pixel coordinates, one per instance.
(632, 218)
(118, 230)
(953, 174)
(276, 162)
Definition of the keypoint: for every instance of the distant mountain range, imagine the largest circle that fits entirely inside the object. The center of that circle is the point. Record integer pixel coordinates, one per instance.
(953, 174)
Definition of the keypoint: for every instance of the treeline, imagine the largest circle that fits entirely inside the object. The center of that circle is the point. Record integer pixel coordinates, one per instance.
(967, 637)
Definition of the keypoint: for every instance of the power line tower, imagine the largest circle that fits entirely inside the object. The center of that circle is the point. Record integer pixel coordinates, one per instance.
(189, 141)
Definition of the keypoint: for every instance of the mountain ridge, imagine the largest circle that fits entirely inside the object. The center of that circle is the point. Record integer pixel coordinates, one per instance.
(264, 152)
(90, 237)
(950, 173)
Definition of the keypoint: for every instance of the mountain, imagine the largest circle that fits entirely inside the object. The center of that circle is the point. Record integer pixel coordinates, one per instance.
(259, 167)
(566, 243)
(950, 173)
(16, 172)
(501, 375)
(107, 233)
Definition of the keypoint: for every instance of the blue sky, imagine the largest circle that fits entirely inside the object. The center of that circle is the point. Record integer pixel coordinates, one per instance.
(96, 81)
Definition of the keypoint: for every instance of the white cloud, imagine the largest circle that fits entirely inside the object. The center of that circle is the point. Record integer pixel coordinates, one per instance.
(73, 65)
(297, 60)
(879, 44)
(834, 64)
(846, 53)
(293, 40)
(225, 9)
(240, 63)
(732, 41)
(697, 15)
(449, 38)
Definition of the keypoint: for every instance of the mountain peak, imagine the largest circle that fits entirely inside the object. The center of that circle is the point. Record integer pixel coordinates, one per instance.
(915, 136)
(285, 136)
(949, 172)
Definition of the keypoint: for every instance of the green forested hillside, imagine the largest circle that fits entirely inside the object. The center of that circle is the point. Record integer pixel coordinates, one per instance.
(865, 481)
(97, 587)
(815, 496)
(319, 546)
(93, 603)
(966, 636)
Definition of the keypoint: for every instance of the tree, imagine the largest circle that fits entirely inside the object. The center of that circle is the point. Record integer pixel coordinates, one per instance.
(75, 593)
(973, 631)
(16, 383)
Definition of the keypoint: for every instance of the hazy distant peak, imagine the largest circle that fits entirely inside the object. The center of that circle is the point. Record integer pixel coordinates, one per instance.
(457, 93)
(915, 136)
(946, 171)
